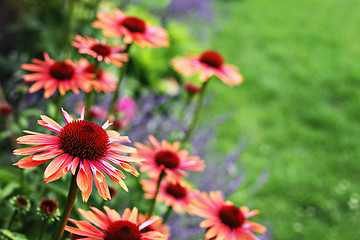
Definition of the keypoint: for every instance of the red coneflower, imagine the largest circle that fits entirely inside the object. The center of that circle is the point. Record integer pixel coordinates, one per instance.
(192, 88)
(113, 226)
(81, 146)
(100, 50)
(105, 81)
(157, 226)
(5, 109)
(167, 157)
(208, 64)
(133, 29)
(52, 75)
(224, 220)
(48, 206)
(176, 195)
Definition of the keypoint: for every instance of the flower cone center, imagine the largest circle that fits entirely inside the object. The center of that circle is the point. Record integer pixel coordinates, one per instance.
(62, 71)
(21, 202)
(134, 24)
(212, 59)
(231, 216)
(101, 49)
(84, 139)
(48, 206)
(176, 190)
(167, 158)
(122, 230)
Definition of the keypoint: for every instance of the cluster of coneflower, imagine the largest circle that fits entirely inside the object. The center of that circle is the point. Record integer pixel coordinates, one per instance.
(92, 152)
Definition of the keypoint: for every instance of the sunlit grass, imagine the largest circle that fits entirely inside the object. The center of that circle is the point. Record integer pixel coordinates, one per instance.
(298, 111)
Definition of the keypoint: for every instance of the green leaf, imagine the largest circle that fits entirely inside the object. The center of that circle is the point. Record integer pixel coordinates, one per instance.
(8, 189)
(8, 235)
(9, 174)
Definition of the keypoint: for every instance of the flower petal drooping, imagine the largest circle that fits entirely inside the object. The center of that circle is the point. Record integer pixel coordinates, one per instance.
(52, 75)
(100, 50)
(113, 226)
(208, 64)
(79, 145)
(167, 157)
(132, 29)
(176, 195)
(223, 219)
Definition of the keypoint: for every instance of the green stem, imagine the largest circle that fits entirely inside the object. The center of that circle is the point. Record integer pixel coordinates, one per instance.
(58, 103)
(196, 114)
(14, 145)
(121, 76)
(43, 228)
(162, 174)
(73, 190)
(68, 29)
(90, 96)
(167, 214)
(189, 97)
(13, 218)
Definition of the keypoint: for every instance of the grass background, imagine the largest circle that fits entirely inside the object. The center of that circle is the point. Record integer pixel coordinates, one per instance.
(298, 111)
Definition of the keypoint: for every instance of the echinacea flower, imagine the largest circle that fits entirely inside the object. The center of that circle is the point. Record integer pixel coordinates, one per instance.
(80, 146)
(52, 75)
(96, 111)
(49, 209)
(192, 88)
(113, 226)
(100, 50)
(6, 109)
(176, 195)
(133, 29)
(224, 220)
(157, 226)
(208, 64)
(167, 157)
(20, 203)
(105, 81)
(48, 206)
(124, 111)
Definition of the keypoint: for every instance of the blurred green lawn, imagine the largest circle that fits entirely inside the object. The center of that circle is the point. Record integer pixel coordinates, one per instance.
(298, 111)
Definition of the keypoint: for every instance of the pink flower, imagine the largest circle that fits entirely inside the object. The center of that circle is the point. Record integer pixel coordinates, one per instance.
(208, 64)
(167, 157)
(224, 220)
(105, 81)
(113, 226)
(176, 195)
(192, 88)
(125, 110)
(133, 29)
(81, 146)
(157, 226)
(52, 75)
(101, 51)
